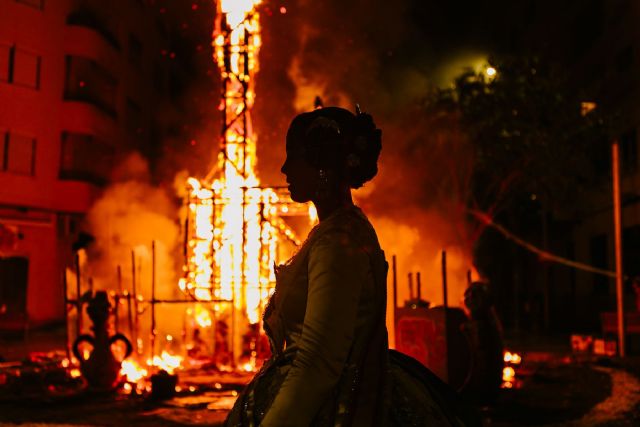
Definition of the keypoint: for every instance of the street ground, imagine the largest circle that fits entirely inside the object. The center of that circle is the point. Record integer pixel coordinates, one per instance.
(553, 387)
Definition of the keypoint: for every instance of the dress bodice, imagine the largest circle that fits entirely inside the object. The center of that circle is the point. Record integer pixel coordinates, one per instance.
(329, 298)
(285, 312)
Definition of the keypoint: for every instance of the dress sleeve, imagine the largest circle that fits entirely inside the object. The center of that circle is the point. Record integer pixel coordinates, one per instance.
(337, 269)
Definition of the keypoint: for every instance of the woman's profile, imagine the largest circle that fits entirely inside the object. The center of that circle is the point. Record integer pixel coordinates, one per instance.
(331, 364)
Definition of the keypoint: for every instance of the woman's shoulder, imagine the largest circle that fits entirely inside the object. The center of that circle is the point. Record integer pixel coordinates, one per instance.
(348, 227)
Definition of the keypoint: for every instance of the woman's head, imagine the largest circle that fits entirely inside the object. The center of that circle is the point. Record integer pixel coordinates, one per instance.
(329, 150)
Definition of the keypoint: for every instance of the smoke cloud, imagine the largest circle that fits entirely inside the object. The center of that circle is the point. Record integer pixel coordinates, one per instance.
(388, 57)
(130, 215)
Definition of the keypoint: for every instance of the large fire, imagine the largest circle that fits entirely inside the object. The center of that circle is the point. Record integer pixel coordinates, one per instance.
(233, 226)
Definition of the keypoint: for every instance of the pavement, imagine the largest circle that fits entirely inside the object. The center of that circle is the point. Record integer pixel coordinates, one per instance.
(553, 387)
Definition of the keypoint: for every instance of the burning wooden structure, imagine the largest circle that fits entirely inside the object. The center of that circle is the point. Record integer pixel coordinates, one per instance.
(233, 227)
(234, 234)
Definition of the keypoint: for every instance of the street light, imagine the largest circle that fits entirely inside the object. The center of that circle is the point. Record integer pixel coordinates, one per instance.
(491, 72)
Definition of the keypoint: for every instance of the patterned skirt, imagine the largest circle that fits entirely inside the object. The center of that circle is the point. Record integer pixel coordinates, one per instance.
(414, 397)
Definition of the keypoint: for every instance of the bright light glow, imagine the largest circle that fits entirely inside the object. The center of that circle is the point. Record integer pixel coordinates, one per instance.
(513, 358)
(166, 361)
(491, 72)
(132, 371)
(508, 374)
(586, 107)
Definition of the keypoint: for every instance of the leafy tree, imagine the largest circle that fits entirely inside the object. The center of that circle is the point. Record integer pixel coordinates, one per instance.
(528, 135)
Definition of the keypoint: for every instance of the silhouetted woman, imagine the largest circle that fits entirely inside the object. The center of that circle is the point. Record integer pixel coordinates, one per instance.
(331, 365)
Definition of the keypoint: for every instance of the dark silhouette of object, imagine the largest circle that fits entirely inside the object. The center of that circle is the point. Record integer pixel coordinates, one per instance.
(100, 369)
(83, 241)
(163, 385)
(485, 336)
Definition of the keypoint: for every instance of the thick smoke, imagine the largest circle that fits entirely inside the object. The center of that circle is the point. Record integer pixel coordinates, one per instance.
(131, 214)
(388, 57)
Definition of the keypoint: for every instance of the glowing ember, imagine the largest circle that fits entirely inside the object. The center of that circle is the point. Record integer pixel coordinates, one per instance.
(203, 317)
(132, 371)
(166, 361)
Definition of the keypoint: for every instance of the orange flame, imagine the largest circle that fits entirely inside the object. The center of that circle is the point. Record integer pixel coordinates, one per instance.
(166, 361)
(132, 371)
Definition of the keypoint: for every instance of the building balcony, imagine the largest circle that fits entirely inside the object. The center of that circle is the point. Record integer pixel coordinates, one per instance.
(87, 18)
(47, 194)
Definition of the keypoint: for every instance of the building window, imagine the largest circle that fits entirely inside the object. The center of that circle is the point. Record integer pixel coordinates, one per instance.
(19, 66)
(14, 278)
(84, 157)
(36, 4)
(18, 154)
(629, 151)
(87, 81)
(135, 50)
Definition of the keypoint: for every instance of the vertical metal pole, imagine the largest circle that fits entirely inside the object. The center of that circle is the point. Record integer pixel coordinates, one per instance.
(78, 296)
(410, 278)
(617, 220)
(394, 278)
(445, 302)
(134, 295)
(445, 312)
(118, 297)
(153, 297)
(66, 312)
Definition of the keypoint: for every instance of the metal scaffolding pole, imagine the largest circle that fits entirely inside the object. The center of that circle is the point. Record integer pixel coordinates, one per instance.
(617, 221)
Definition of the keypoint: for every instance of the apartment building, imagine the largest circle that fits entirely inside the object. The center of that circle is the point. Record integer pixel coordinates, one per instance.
(80, 82)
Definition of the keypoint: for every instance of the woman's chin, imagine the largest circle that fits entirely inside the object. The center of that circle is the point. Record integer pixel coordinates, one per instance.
(297, 197)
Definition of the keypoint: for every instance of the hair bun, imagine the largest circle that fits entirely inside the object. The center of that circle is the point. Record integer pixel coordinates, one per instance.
(364, 150)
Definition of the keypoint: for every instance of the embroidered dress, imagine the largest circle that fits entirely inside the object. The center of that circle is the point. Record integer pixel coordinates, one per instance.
(331, 365)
